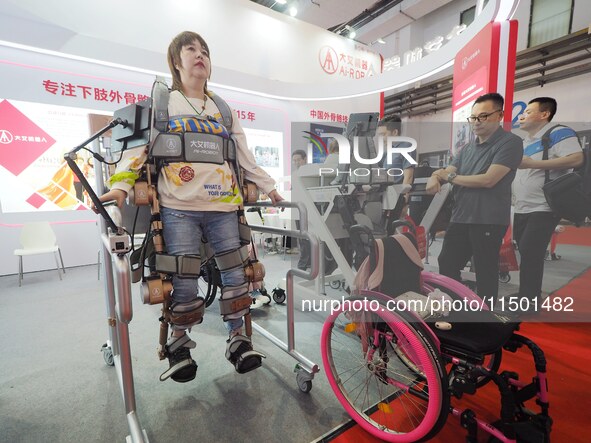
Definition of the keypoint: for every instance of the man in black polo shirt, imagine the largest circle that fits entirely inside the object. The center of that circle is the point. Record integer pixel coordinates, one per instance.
(481, 175)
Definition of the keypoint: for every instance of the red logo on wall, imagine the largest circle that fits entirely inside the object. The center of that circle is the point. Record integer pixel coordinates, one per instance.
(21, 141)
(329, 59)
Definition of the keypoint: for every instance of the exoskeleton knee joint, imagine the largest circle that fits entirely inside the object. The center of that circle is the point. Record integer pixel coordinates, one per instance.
(155, 290)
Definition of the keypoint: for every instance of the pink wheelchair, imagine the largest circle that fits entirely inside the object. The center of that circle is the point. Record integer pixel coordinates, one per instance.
(397, 373)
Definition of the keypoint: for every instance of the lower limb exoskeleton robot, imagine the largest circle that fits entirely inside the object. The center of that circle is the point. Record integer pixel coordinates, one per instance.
(175, 267)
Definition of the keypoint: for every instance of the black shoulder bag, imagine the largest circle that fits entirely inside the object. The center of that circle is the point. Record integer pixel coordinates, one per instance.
(565, 195)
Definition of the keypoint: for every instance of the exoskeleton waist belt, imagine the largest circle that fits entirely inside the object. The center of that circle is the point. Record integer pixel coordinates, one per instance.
(194, 140)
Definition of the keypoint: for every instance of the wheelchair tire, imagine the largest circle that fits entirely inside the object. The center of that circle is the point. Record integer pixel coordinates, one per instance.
(393, 400)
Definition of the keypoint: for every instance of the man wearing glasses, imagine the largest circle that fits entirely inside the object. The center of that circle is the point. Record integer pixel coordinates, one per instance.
(481, 175)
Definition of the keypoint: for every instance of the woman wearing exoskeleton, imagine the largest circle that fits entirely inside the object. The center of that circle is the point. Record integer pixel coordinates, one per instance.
(199, 199)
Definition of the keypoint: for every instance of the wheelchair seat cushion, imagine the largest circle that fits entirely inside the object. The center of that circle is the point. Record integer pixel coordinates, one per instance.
(476, 332)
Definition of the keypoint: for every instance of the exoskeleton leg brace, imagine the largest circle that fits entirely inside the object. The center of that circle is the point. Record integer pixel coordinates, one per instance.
(157, 288)
(235, 300)
(235, 303)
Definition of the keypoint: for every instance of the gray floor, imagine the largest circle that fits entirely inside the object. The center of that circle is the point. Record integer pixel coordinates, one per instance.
(55, 387)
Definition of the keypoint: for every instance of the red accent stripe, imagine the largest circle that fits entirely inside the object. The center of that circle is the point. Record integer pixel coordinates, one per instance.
(511, 58)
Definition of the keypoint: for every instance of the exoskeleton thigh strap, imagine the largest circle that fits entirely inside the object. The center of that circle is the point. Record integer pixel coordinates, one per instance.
(232, 259)
(188, 266)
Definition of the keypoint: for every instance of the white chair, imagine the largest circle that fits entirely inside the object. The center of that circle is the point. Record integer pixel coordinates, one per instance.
(38, 238)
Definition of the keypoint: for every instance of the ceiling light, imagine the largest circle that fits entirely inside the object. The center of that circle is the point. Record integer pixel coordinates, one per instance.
(281, 2)
(349, 31)
(381, 41)
(293, 11)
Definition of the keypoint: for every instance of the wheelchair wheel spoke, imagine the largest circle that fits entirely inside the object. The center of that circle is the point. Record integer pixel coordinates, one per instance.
(380, 375)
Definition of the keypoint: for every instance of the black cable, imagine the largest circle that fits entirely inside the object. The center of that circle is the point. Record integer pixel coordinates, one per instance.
(101, 158)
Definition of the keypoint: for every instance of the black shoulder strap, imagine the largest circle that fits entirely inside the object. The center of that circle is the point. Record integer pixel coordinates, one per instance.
(546, 144)
(160, 98)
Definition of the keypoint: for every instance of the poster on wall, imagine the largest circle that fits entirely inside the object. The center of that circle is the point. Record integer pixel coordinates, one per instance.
(33, 140)
(267, 147)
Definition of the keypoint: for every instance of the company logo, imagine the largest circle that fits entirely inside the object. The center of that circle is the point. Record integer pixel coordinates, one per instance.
(387, 148)
(200, 144)
(329, 59)
(22, 142)
(171, 145)
(5, 137)
(468, 59)
(317, 141)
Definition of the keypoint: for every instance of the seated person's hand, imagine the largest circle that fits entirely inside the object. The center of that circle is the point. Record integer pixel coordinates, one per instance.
(433, 185)
(114, 194)
(275, 197)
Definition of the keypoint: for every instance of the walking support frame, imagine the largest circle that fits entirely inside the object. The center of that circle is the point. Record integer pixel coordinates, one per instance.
(115, 248)
(305, 369)
(117, 350)
(120, 313)
(116, 244)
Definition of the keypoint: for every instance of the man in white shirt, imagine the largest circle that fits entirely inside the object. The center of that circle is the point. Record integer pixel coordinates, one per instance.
(534, 222)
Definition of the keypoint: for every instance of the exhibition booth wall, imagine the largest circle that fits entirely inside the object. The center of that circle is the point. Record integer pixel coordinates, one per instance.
(279, 74)
(47, 100)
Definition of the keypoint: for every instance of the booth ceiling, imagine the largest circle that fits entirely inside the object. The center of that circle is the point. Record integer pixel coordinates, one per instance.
(560, 59)
(371, 19)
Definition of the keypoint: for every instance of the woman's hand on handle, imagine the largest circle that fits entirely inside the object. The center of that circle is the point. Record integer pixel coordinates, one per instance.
(117, 195)
(275, 197)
